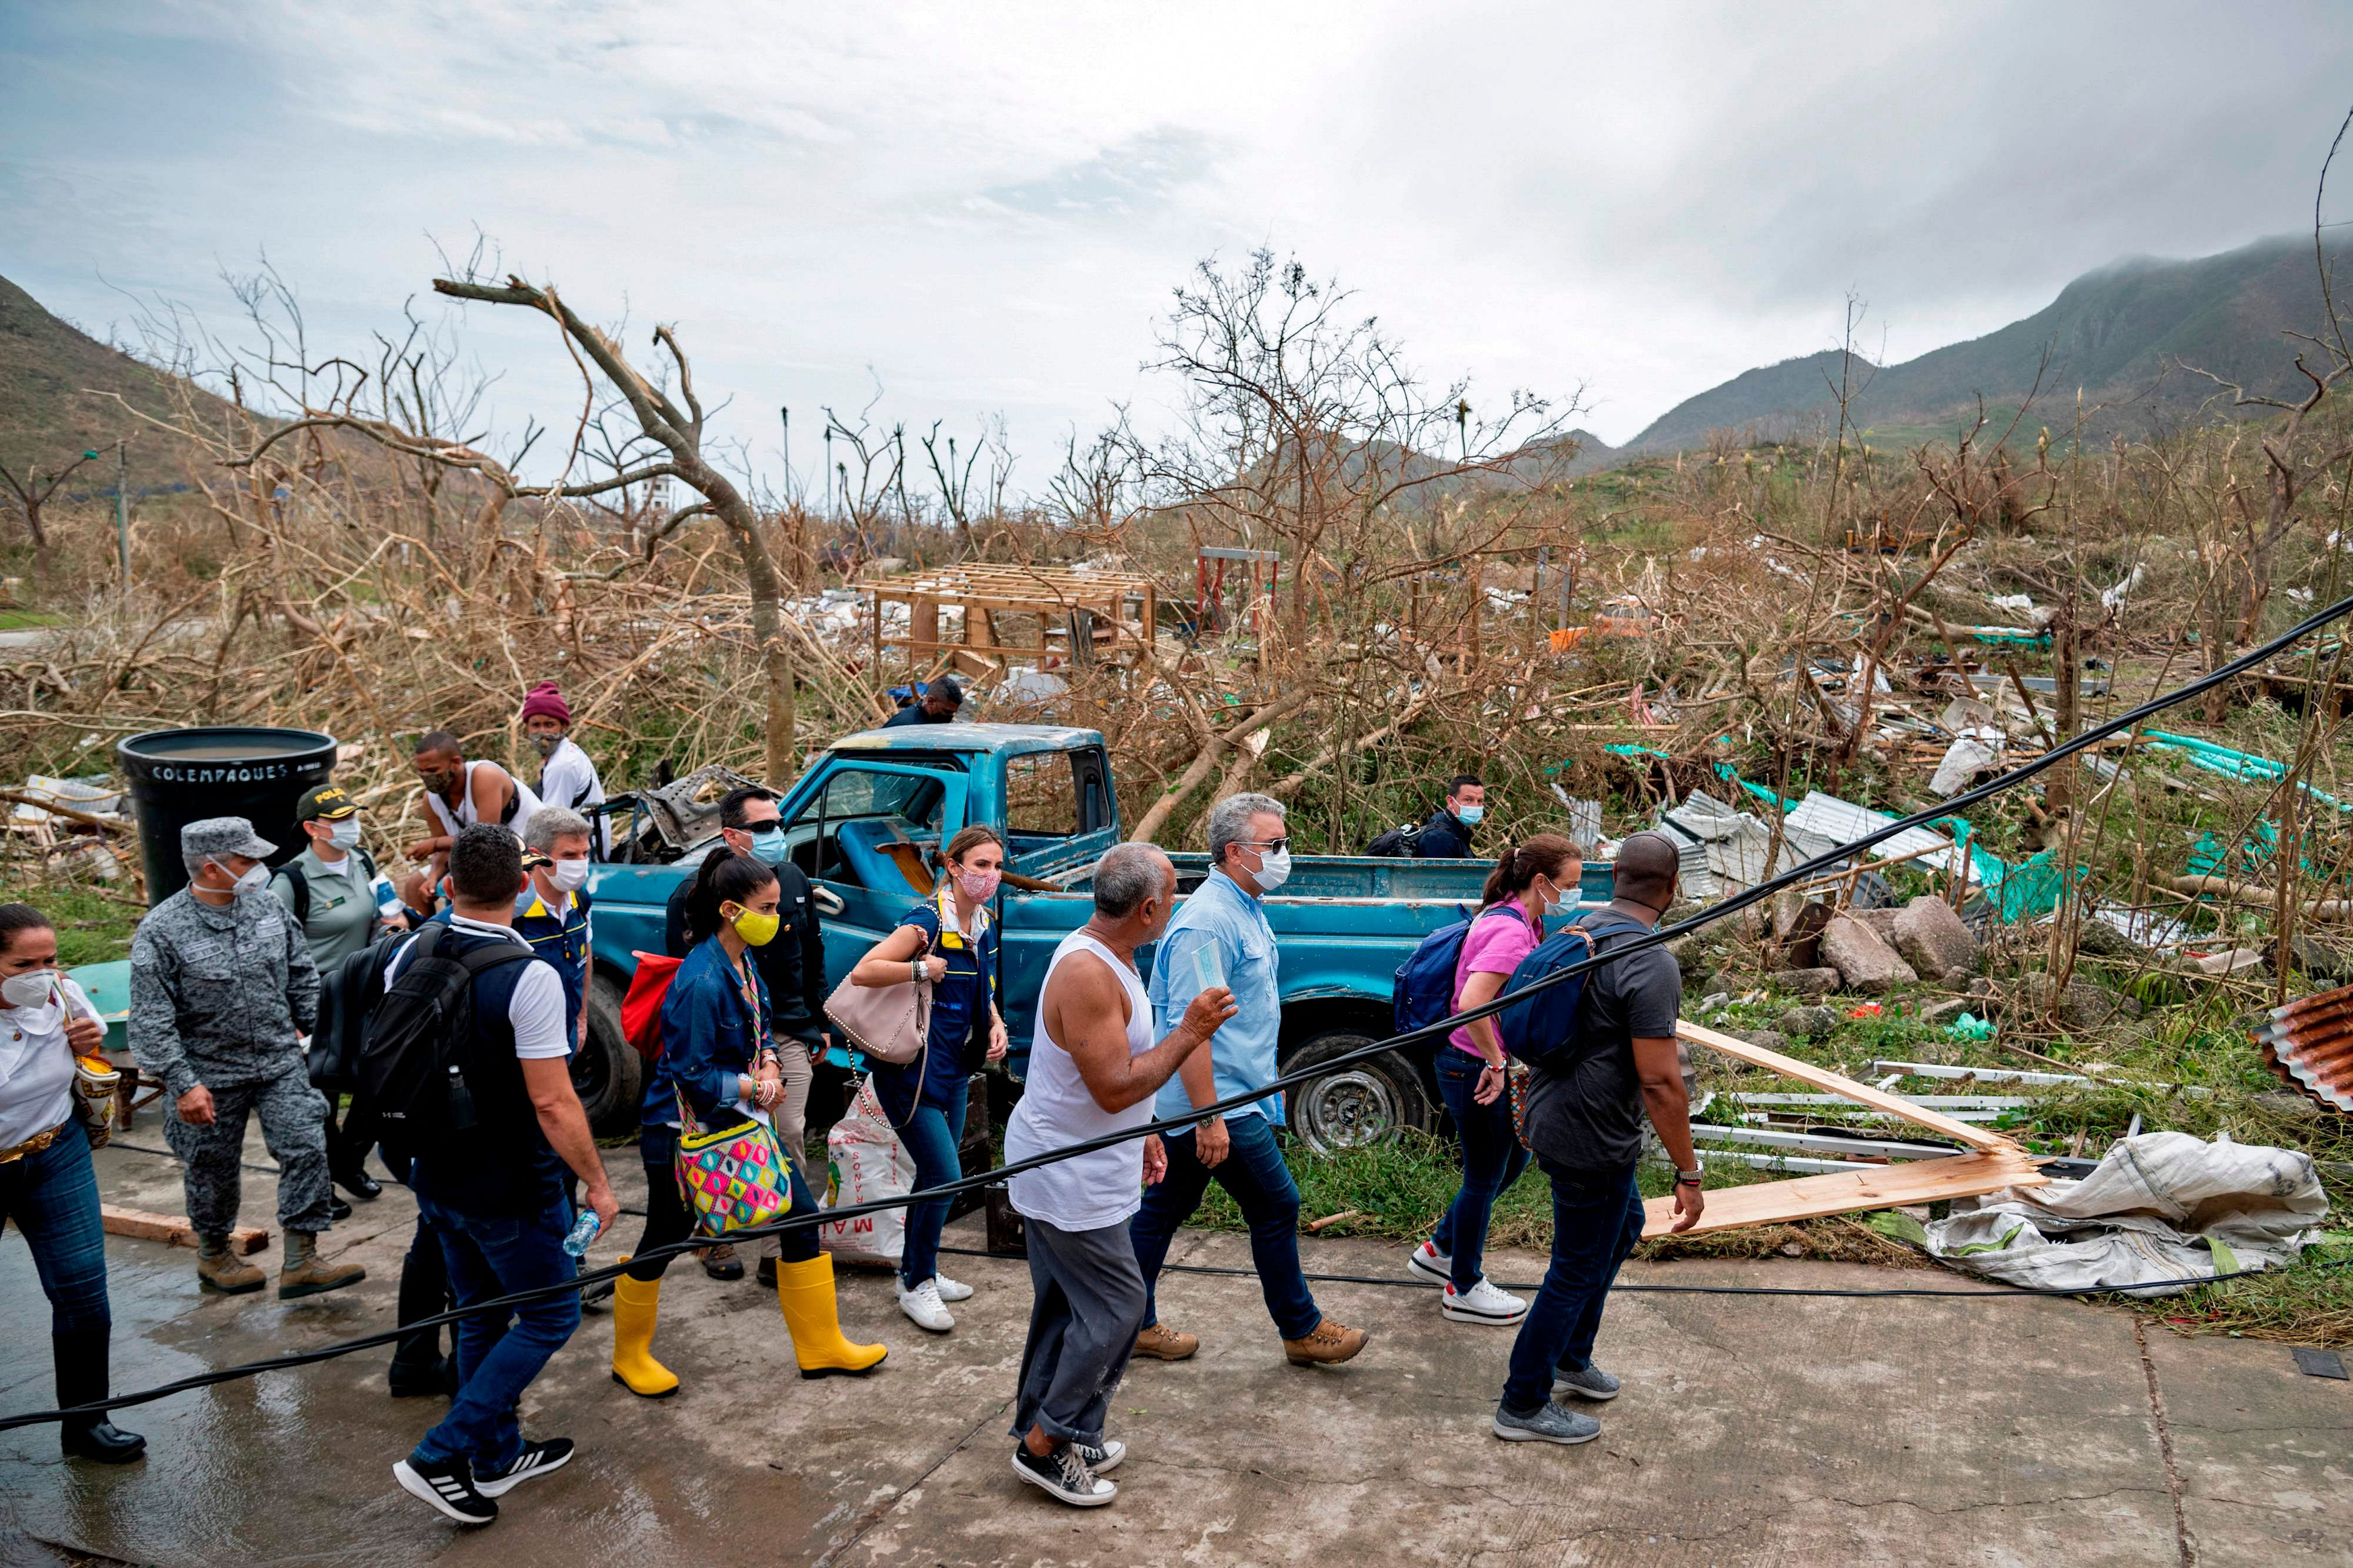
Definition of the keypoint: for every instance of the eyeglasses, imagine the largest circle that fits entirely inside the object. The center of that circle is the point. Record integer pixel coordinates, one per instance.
(1271, 846)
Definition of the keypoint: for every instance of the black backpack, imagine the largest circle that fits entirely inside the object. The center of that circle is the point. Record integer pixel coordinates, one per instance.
(414, 1058)
(1398, 843)
(348, 994)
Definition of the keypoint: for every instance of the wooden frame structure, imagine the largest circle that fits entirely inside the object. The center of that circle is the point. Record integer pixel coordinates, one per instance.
(1992, 1161)
(1093, 608)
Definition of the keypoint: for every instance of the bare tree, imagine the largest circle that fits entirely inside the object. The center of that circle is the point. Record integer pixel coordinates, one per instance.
(33, 492)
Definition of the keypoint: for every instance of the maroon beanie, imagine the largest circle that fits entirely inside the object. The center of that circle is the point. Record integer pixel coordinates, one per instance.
(543, 699)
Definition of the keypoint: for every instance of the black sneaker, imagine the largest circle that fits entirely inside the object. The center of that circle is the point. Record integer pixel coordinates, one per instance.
(1064, 1474)
(536, 1459)
(1100, 1459)
(448, 1487)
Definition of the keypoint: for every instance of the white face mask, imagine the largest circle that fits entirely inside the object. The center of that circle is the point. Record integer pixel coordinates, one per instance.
(346, 832)
(30, 989)
(569, 875)
(256, 877)
(1273, 870)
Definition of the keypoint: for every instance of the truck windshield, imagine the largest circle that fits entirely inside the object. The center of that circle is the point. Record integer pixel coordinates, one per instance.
(869, 826)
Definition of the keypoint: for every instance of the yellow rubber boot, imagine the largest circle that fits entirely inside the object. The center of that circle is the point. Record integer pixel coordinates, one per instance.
(634, 1302)
(805, 1291)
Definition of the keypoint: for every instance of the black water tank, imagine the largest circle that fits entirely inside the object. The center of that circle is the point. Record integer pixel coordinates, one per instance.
(179, 776)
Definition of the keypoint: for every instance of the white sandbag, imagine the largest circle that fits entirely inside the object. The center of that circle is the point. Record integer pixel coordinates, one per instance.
(866, 1163)
(2163, 1205)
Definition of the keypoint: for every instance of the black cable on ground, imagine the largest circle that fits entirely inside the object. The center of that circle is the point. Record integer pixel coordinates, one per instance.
(1427, 1035)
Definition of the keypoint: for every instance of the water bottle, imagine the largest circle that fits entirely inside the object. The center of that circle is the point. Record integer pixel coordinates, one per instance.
(462, 1117)
(583, 1231)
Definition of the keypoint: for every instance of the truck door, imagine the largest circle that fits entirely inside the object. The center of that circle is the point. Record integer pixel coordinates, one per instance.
(866, 836)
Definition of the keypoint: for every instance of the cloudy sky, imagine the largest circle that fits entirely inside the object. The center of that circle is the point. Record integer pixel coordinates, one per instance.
(983, 207)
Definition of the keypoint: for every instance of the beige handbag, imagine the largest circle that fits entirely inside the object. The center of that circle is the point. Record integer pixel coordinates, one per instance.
(890, 1024)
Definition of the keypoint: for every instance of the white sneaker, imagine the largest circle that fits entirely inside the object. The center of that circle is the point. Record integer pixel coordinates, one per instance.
(921, 1304)
(1483, 1303)
(1429, 1264)
(952, 1290)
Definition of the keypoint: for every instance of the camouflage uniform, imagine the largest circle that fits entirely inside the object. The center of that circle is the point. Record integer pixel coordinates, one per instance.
(218, 996)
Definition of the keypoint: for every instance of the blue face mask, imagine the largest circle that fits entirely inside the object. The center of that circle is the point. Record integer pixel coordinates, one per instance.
(768, 844)
(1468, 816)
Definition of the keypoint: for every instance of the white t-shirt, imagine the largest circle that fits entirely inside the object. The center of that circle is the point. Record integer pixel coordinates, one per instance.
(526, 803)
(37, 1067)
(569, 779)
(1086, 1192)
(536, 1009)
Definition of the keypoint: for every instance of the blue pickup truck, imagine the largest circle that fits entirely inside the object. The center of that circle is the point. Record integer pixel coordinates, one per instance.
(865, 820)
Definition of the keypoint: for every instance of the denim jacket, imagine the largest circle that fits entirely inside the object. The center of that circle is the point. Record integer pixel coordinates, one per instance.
(709, 1036)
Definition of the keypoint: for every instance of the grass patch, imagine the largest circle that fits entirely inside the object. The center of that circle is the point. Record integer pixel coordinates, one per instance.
(28, 620)
(93, 927)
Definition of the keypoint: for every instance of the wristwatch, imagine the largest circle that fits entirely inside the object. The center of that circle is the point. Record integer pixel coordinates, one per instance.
(1690, 1178)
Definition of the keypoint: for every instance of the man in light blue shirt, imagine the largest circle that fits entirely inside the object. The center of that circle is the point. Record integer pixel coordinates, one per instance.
(1220, 936)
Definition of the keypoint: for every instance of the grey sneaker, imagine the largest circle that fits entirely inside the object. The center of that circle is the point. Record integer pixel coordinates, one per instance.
(1591, 1382)
(1553, 1423)
(1064, 1474)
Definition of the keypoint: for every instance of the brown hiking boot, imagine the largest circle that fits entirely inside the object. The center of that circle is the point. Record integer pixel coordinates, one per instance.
(721, 1263)
(1328, 1345)
(1162, 1342)
(217, 1268)
(305, 1273)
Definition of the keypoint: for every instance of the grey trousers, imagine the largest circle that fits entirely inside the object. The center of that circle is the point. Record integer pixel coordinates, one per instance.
(1083, 1327)
(293, 1124)
(792, 1119)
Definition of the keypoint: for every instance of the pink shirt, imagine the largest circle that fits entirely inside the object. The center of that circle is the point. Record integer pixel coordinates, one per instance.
(1492, 946)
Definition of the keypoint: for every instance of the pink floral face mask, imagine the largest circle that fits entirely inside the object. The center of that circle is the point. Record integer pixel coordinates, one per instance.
(979, 886)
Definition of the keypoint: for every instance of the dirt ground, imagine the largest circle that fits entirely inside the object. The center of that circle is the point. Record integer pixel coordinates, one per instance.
(1753, 1430)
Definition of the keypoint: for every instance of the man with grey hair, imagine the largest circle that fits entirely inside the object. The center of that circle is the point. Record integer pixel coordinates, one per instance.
(1221, 939)
(552, 910)
(1093, 1071)
(222, 990)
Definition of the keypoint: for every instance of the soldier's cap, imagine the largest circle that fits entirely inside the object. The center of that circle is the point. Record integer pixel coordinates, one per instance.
(224, 835)
(327, 803)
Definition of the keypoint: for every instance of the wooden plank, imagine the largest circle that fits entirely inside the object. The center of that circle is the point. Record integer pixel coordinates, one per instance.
(174, 1229)
(1868, 1187)
(1860, 1093)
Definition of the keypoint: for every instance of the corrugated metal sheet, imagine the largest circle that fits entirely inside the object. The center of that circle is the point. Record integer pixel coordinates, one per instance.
(2309, 1044)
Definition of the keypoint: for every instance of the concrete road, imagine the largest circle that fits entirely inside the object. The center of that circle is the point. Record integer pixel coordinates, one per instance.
(1753, 1430)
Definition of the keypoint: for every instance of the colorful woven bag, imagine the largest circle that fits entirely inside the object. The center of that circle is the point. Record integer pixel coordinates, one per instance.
(734, 1178)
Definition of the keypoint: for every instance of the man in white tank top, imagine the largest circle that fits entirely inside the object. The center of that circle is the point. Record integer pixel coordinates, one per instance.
(459, 793)
(1093, 1071)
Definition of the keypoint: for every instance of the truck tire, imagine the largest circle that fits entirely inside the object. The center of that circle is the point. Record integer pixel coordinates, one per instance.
(607, 1074)
(1365, 1103)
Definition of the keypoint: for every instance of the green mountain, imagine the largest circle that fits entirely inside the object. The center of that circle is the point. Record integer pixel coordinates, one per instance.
(2123, 335)
(57, 399)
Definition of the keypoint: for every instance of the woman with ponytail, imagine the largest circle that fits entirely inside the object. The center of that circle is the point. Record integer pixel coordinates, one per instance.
(720, 1059)
(1530, 881)
(951, 941)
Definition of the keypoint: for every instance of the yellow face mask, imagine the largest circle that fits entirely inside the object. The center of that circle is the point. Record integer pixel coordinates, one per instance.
(757, 930)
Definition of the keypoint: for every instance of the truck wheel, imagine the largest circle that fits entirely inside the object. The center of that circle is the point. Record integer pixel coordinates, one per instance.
(1365, 1103)
(606, 1072)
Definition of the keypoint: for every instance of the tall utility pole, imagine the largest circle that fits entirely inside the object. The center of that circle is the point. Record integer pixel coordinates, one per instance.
(787, 412)
(829, 470)
(122, 509)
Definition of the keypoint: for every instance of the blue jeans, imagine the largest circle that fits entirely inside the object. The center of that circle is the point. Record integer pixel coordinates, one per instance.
(1596, 1218)
(1492, 1159)
(1255, 1177)
(53, 1197)
(930, 1128)
(498, 1356)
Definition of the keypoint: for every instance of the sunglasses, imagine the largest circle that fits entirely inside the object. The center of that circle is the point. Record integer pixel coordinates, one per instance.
(1271, 846)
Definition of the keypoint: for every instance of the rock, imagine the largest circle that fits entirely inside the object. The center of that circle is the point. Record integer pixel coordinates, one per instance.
(1804, 982)
(1986, 988)
(1880, 921)
(1936, 1015)
(1932, 938)
(1864, 961)
(1763, 1039)
(2320, 961)
(2082, 1005)
(2101, 940)
(1705, 983)
(1956, 979)
(1807, 1023)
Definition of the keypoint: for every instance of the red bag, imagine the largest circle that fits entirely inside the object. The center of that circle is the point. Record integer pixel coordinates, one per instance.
(641, 1007)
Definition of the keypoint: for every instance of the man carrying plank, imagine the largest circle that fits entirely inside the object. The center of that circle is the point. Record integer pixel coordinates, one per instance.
(1585, 1107)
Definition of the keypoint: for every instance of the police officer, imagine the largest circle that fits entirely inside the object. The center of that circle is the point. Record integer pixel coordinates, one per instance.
(222, 988)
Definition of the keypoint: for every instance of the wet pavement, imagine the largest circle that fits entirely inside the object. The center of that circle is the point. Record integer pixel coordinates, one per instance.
(1752, 1431)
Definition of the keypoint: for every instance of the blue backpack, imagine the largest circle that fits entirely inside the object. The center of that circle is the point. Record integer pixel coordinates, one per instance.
(1534, 1028)
(1424, 980)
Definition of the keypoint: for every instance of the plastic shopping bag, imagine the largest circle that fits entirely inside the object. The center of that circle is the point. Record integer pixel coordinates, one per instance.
(865, 1163)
